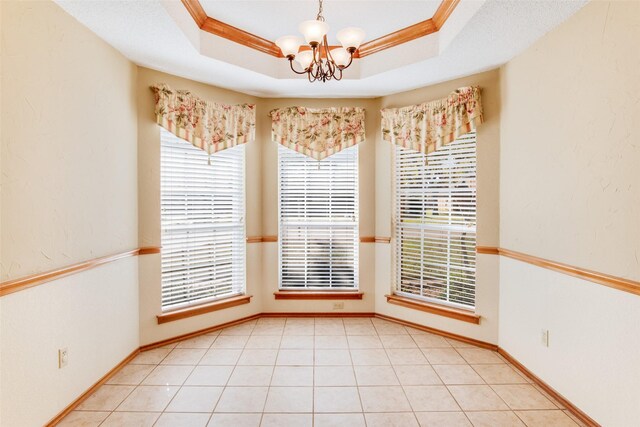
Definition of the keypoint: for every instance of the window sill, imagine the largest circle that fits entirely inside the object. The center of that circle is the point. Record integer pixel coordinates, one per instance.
(313, 295)
(441, 310)
(183, 313)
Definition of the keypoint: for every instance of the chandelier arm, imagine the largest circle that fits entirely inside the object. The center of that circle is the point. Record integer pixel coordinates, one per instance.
(340, 76)
(293, 69)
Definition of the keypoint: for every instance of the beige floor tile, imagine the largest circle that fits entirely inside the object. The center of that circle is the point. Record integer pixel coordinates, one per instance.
(168, 375)
(431, 341)
(383, 399)
(329, 329)
(388, 328)
(288, 357)
(235, 420)
(330, 342)
(336, 399)
(289, 399)
(299, 329)
(83, 419)
(202, 341)
(475, 356)
(338, 420)
(251, 376)
(182, 420)
(257, 357)
(430, 398)
(459, 344)
(555, 418)
(416, 375)
(398, 341)
(287, 420)
(399, 419)
(195, 399)
(221, 356)
(148, 398)
(297, 342)
(131, 419)
(442, 419)
(364, 341)
(574, 418)
(499, 374)
(457, 374)
(213, 333)
(523, 396)
(272, 321)
(268, 330)
(183, 356)
(292, 376)
(406, 356)
(264, 341)
(230, 341)
(332, 357)
(360, 329)
(553, 400)
(242, 399)
(209, 375)
(242, 329)
(477, 398)
(494, 419)
(375, 375)
(369, 357)
(443, 356)
(106, 398)
(131, 374)
(334, 376)
(151, 357)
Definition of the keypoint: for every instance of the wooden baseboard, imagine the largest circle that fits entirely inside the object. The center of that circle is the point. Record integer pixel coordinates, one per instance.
(440, 332)
(321, 314)
(587, 420)
(55, 420)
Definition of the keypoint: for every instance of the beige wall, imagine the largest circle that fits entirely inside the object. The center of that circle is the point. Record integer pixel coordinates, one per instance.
(488, 149)
(570, 192)
(68, 195)
(149, 208)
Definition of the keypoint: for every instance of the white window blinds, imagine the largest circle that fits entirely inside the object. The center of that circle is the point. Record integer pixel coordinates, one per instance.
(435, 223)
(203, 237)
(318, 220)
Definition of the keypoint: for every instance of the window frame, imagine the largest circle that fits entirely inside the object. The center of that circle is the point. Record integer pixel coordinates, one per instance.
(242, 290)
(356, 227)
(396, 241)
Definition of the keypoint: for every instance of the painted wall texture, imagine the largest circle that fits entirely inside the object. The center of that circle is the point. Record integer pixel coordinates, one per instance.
(570, 192)
(69, 194)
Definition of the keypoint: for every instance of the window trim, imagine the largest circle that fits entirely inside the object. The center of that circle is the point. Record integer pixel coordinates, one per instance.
(318, 292)
(419, 302)
(208, 304)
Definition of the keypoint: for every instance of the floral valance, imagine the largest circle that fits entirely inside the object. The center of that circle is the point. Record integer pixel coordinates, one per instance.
(429, 126)
(317, 132)
(207, 125)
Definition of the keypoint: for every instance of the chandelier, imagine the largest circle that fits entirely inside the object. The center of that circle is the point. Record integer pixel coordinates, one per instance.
(320, 62)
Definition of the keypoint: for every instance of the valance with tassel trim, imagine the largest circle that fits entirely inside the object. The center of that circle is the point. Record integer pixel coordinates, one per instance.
(317, 132)
(210, 126)
(431, 125)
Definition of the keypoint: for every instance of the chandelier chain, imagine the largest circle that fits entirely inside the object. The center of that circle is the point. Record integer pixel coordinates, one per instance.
(320, 17)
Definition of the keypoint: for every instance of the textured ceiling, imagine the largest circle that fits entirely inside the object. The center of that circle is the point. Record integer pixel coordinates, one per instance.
(373, 17)
(479, 35)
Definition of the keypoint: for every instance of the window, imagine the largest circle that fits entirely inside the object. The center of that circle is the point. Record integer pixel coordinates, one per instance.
(435, 223)
(318, 221)
(202, 215)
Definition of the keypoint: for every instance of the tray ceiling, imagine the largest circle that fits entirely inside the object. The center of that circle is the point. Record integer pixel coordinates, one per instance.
(479, 35)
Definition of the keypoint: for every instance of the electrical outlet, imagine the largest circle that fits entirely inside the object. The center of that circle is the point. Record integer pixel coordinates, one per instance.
(63, 357)
(545, 337)
(338, 305)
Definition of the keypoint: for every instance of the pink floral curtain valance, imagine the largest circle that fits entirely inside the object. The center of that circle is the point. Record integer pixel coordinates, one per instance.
(431, 125)
(207, 125)
(317, 132)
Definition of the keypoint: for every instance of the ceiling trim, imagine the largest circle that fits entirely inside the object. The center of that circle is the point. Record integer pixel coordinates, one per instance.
(245, 38)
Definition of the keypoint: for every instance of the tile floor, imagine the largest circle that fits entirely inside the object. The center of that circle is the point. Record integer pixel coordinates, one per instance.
(342, 372)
